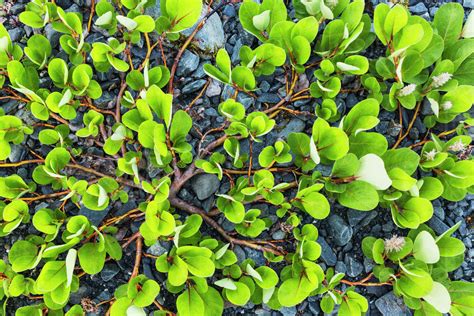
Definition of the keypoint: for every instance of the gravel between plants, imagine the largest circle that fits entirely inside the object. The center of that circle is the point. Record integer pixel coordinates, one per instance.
(340, 234)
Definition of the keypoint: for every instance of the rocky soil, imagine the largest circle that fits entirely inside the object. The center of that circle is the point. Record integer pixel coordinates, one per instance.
(340, 234)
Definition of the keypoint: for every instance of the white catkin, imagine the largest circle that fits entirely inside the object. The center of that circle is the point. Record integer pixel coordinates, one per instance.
(407, 90)
(441, 79)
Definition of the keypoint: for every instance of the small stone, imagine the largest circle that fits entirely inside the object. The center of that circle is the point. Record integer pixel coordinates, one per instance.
(214, 89)
(294, 126)
(269, 98)
(351, 100)
(279, 234)
(355, 217)
(256, 256)
(156, 249)
(188, 63)
(438, 226)
(95, 217)
(239, 253)
(354, 267)
(288, 311)
(327, 253)
(205, 185)
(211, 37)
(109, 271)
(419, 8)
(15, 34)
(339, 230)
(229, 10)
(247, 101)
(52, 35)
(193, 86)
(468, 4)
(17, 153)
(390, 305)
(340, 267)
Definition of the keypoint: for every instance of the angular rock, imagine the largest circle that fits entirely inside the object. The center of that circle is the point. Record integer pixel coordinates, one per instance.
(390, 305)
(109, 271)
(327, 253)
(211, 37)
(188, 63)
(205, 185)
(339, 230)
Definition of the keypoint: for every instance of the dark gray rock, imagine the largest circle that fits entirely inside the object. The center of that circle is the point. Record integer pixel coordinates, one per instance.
(354, 267)
(288, 311)
(205, 185)
(338, 229)
(327, 253)
(188, 63)
(15, 34)
(109, 271)
(256, 256)
(294, 126)
(355, 217)
(214, 89)
(157, 249)
(193, 86)
(390, 305)
(17, 153)
(438, 225)
(95, 217)
(52, 35)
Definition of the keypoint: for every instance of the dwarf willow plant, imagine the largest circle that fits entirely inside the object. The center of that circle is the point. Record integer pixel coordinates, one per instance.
(422, 63)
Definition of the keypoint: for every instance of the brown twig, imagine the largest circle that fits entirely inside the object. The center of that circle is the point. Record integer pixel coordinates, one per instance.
(138, 257)
(410, 125)
(180, 204)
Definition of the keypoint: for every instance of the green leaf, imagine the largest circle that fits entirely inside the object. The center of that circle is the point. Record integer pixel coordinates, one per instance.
(51, 276)
(91, 258)
(190, 303)
(240, 295)
(448, 22)
(359, 195)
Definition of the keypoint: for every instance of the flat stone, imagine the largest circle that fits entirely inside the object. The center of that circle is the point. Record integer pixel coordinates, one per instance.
(205, 185)
(157, 249)
(390, 305)
(294, 126)
(193, 86)
(188, 63)
(327, 253)
(109, 271)
(419, 8)
(95, 217)
(211, 37)
(354, 267)
(468, 4)
(438, 226)
(214, 89)
(339, 230)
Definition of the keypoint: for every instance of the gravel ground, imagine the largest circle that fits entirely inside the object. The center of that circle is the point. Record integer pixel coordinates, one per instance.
(340, 234)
